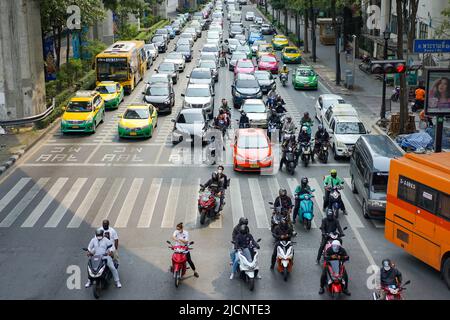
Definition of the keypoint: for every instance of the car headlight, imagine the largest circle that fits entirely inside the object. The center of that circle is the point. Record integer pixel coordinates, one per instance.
(167, 101)
(377, 203)
(207, 105)
(89, 121)
(186, 105)
(341, 145)
(63, 122)
(259, 94)
(237, 94)
(267, 159)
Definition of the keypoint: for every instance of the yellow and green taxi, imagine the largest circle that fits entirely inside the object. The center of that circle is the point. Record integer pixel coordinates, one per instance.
(279, 42)
(111, 92)
(291, 55)
(263, 49)
(304, 78)
(84, 112)
(138, 120)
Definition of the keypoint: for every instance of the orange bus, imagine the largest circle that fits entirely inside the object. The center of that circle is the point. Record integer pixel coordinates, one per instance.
(418, 208)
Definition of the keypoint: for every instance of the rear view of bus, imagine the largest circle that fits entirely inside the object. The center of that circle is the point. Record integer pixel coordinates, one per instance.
(418, 208)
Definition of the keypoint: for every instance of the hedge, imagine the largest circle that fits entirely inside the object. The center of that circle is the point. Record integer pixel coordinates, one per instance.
(146, 35)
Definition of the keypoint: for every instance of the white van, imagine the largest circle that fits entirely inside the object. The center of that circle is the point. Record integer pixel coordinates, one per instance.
(341, 109)
(236, 16)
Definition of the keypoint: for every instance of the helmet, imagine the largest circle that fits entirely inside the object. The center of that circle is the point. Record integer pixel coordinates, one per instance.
(335, 245)
(243, 113)
(304, 181)
(304, 128)
(306, 114)
(282, 192)
(221, 111)
(333, 173)
(320, 127)
(386, 264)
(330, 214)
(243, 221)
(99, 232)
(288, 119)
(243, 229)
(284, 66)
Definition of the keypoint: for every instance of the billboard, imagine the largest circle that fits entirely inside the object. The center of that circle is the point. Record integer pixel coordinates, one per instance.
(437, 98)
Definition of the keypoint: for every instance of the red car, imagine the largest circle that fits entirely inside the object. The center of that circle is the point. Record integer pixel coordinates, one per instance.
(269, 63)
(244, 66)
(252, 150)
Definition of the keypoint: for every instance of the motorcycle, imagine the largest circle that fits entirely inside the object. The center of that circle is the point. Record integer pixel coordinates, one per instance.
(283, 79)
(331, 237)
(322, 151)
(335, 199)
(392, 292)
(305, 213)
(395, 94)
(279, 214)
(291, 163)
(179, 260)
(211, 151)
(99, 273)
(248, 270)
(335, 277)
(306, 153)
(271, 101)
(285, 258)
(365, 64)
(206, 205)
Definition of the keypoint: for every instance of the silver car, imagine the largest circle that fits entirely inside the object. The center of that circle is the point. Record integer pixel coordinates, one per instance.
(192, 31)
(211, 64)
(190, 124)
(199, 96)
(202, 76)
(152, 49)
(178, 59)
(256, 111)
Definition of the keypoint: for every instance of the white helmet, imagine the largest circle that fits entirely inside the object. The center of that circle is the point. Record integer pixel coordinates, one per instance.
(304, 129)
(335, 245)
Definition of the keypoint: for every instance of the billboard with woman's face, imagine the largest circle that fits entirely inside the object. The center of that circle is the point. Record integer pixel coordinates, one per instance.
(438, 92)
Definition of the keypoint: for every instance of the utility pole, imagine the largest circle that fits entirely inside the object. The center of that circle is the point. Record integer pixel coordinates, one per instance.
(386, 37)
(313, 30)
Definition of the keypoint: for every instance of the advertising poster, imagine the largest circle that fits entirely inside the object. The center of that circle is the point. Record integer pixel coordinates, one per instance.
(437, 99)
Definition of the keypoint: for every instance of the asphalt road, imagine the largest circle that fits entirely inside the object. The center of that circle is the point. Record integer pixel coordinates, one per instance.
(55, 196)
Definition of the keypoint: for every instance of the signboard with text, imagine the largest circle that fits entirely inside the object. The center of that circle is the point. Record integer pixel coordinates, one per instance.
(431, 45)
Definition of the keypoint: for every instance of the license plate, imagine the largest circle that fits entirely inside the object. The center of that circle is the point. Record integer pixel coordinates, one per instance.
(306, 85)
(75, 127)
(254, 165)
(133, 133)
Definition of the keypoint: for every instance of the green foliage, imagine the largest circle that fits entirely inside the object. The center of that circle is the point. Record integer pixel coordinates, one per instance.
(443, 31)
(127, 32)
(69, 72)
(146, 35)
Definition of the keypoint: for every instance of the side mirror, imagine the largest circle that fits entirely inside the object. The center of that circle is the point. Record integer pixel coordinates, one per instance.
(259, 240)
(345, 228)
(407, 282)
(168, 242)
(330, 131)
(156, 70)
(84, 249)
(188, 76)
(143, 92)
(173, 120)
(213, 95)
(368, 131)
(182, 94)
(271, 203)
(192, 242)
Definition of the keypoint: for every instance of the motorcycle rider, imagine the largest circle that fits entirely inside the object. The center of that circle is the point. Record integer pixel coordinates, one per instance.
(284, 70)
(335, 252)
(223, 116)
(244, 121)
(420, 98)
(181, 238)
(303, 136)
(217, 184)
(283, 201)
(291, 143)
(280, 109)
(288, 126)
(275, 120)
(321, 137)
(332, 180)
(282, 232)
(329, 225)
(242, 222)
(301, 189)
(100, 245)
(225, 106)
(112, 235)
(244, 241)
(389, 275)
(271, 98)
(306, 120)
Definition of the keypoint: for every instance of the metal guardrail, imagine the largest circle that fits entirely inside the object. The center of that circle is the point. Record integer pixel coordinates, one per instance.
(28, 120)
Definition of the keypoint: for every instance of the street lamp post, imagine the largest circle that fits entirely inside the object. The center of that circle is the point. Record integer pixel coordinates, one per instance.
(386, 37)
(338, 54)
(313, 30)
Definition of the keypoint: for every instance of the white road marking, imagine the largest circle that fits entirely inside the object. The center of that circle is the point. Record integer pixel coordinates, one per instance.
(43, 205)
(23, 203)
(65, 203)
(128, 204)
(258, 204)
(318, 196)
(150, 203)
(171, 204)
(191, 214)
(13, 192)
(274, 188)
(108, 203)
(351, 216)
(87, 203)
(236, 200)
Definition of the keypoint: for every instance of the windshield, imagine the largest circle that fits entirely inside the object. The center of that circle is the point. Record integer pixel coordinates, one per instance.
(252, 142)
(210, 49)
(237, 29)
(161, 31)
(190, 118)
(291, 50)
(201, 75)
(255, 35)
(247, 84)
(265, 48)
(207, 64)
(245, 64)
(242, 48)
(379, 182)
(262, 75)
(136, 114)
(157, 91)
(186, 35)
(79, 106)
(183, 41)
(174, 56)
(350, 128)
(305, 73)
(183, 48)
(267, 58)
(158, 39)
(280, 39)
(254, 108)
(166, 67)
(106, 89)
(197, 92)
(233, 42)
(150, 46)
(115, 69)
(213, 35)
(159, 80)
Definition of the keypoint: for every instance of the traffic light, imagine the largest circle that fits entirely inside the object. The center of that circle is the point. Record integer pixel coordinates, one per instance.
(387, 66)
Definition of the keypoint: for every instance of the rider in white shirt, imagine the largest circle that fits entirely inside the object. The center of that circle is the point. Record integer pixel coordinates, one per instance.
(181, 238)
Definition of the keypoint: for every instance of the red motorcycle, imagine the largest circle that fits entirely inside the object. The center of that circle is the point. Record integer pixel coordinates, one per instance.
(335, 277)
(179, 260)
(206, 205)
(392, 292)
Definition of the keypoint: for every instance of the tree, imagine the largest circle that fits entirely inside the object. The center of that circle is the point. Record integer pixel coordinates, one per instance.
(403, 93)
(443, 31)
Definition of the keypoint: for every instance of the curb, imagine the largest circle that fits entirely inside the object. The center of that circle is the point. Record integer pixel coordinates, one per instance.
(15, 157)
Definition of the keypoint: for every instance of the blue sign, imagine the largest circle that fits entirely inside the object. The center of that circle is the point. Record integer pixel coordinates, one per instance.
(431, 45)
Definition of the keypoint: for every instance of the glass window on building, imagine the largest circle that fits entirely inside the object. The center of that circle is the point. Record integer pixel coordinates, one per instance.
(423, 30)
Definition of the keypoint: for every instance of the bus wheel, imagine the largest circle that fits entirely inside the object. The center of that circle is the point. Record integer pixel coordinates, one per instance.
(446, 271)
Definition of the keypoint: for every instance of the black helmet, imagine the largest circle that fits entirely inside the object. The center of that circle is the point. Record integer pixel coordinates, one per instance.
(99, 232)
(306, 114)
(282, 192)
(221, 111)
(243, 221)
(304, 181)
(243, 229)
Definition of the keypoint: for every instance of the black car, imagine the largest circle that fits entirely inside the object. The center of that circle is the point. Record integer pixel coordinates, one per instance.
(186, 51)
(235, 30)
(266, 80)
(267, 29)
(160, 42)
(247, 88)
(170, 69)
(161, 96)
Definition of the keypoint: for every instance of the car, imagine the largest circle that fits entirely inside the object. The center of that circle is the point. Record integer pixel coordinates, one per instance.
(254, 28)
(198, 28)
(171, 31)
(259, 20)
(242, 2)
(252, 150)
(191, 31)
(161, 96)
(163, 32)
(253, 36)
(84, 112)
(183, 42)
(255, 45)
(267, 29)
(211, 65)
(264, 49)
(158, 78)
(337, 110)
(217, 14)
(266, 80)
(199, 96)
(235, 30)
(249, 16)
(178, 59)
(138, 121)
(234, 58)
(210, 48)
(111, 92)
(244, 66)
(256, 111)
(291, 55)
(240, 24)
(188, 36)
(202, 76)
(170, 69)
(245, 88)
(246, 49)
(241, 38)
(190, 124)
(151, 49)
(160, 43)
(176, 26)
(216, 28)
(324, 102)
(268, 62)
(209, 57)
(232, 44)
(304, 78)
(279, 42)
(344, 132)
(213, 37)
(186, 51)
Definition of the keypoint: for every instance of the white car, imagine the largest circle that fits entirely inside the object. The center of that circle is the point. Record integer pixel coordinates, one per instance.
(178, 59)
(217, 29)
(152, 49)
(250, 16)
(255, 45)
(256, 111)
(192, 31)
(211, 49)
(259, 20)
(345, 131)
(324, 102)
(336, 111)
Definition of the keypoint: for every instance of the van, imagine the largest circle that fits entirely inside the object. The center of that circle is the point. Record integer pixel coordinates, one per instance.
(369, 171)
(341, 109)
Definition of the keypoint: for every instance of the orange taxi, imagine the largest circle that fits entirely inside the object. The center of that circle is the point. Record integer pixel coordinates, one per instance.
(252, 150)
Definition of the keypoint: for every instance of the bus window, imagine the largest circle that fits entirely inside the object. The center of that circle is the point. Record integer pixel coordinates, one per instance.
(444, 206)
(427, 198)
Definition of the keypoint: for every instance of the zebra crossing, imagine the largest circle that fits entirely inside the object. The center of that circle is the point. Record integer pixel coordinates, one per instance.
(145, 203)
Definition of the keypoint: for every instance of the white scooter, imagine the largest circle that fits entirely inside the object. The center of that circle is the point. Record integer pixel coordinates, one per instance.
(285, 258)
(248, 270)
